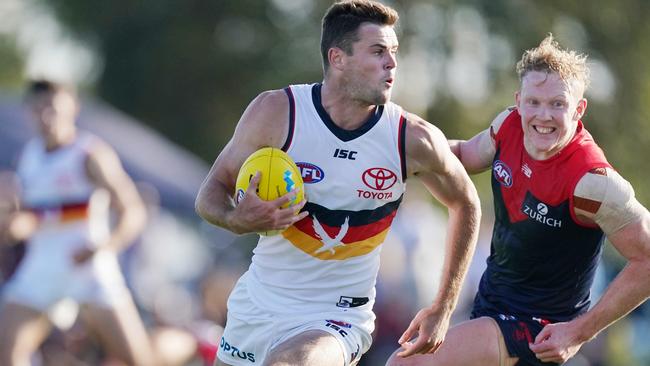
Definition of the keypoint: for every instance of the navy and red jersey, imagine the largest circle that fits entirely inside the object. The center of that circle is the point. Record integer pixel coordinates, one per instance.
(542, 260)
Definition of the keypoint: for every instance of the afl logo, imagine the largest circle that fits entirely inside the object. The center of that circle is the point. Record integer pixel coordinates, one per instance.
(379, 178)
(310, 173)
(502, 173)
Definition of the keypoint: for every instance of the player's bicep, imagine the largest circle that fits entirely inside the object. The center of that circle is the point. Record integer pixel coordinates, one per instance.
(265, 122)
(477, 153)
(225, 168)
(105, 170)
(605, 198)
(439, 169)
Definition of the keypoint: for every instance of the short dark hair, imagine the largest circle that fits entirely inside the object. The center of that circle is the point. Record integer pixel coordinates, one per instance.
(42, 86)
(342, 20)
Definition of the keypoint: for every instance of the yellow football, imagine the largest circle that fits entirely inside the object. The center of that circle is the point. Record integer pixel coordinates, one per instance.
(279, 175)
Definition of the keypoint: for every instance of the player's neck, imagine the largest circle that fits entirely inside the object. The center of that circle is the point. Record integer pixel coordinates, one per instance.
(56, 142)
(345, 112)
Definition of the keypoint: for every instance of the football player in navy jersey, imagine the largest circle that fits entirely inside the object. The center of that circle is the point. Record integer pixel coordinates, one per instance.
(307, 296)
(555, 198)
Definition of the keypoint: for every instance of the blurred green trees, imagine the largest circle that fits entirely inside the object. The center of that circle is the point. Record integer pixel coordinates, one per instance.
(10, 63)
(189, 68)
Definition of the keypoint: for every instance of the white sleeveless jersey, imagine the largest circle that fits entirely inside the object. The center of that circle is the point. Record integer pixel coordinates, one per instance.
(72, 213)
(56, 188)
(354, 181)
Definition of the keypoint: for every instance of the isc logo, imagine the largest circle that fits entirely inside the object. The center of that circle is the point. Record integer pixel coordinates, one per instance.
(345, 154)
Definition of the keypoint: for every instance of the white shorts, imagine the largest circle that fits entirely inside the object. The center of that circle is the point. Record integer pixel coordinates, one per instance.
(47, 275)
(251, 332)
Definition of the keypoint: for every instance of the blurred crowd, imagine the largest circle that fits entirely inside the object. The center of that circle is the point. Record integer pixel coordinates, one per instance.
(181, 271)
(181, 277)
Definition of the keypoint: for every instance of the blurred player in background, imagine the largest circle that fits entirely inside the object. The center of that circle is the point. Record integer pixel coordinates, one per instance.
(555, 197)
(68, 180)
(307, 297)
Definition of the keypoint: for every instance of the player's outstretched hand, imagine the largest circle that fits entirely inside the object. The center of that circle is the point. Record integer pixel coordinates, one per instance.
(252, 214)
(430, 327)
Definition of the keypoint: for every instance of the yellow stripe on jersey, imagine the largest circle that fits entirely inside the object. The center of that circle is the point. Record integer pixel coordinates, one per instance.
(314, 247)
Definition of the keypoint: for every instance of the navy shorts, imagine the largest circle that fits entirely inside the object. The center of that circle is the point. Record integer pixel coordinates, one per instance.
(517, 332)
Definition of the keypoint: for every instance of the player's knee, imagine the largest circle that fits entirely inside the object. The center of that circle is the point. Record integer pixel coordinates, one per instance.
(391, 360)
(279, 359)
(290, 357)
(395, 360)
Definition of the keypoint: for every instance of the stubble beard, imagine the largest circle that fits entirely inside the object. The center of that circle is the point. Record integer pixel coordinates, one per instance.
(365, 94)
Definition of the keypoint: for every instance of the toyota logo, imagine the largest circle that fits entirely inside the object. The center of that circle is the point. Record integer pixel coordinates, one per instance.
(379, 178)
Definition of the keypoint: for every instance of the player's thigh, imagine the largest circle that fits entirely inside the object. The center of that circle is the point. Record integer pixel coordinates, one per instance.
(120, 329)
(474, 342)
(312, 347)
(23, 328)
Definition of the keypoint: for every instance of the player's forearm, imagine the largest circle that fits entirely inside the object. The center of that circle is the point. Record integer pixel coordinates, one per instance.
(215, 206)
(462, 234)
(628, 290)
(130, 223)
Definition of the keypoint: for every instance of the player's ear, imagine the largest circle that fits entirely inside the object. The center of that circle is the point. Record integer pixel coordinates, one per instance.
(517, 97)
(581, 108)
(336, 57)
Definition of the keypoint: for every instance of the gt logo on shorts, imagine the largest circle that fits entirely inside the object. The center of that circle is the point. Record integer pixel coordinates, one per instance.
(227, 348)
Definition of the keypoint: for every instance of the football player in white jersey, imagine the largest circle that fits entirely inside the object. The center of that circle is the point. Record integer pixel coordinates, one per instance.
(359, 49)
(68, 179)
